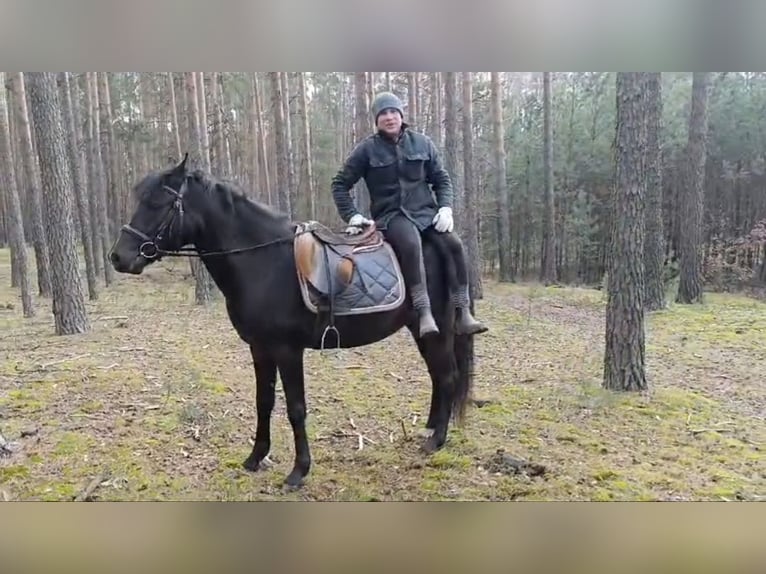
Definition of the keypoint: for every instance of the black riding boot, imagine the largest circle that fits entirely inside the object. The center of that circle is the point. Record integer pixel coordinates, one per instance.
(422, 304)
(465, 323)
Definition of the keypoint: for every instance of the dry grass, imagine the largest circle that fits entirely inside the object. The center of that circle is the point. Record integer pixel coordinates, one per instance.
(158, 402)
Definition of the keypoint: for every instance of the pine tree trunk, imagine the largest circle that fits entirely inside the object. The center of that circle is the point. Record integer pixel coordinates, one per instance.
(436, 110)
(501, 187)
(548, 267)
(452, 144)
(201, 276)
(624, 368)
(72, 118)
(99, 183)
(289, 155)
(263, 157)
(654, 247)
(68, 301)
(361, 131)
(42, 259)
(412, 100)
(690, 285)
(306, 169)
(199, 79)
(283, 191)
(174, 116)
(470, 215)
(107, 144)
(12, 212)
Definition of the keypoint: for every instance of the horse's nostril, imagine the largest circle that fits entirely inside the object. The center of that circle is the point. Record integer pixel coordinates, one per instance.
(114, 258)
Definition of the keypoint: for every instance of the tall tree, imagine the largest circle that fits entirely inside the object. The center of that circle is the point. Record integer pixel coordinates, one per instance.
(412, 100)
(690, 286)
(624, 367)
(71, 115)
(470, 215)
(282, 181)
(548, 267)
(499, 173)
(307, 189)
(452, 140)
(361, 131)
(98, 181)
(12, 212)
(654, 248)
(263, 161)
(202, 281)
(42, 259)
(68, 302)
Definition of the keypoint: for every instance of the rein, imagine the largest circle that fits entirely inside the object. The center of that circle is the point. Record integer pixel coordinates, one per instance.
(150, 249)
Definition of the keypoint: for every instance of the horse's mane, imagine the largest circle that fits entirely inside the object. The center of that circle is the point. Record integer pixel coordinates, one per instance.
(234, 199)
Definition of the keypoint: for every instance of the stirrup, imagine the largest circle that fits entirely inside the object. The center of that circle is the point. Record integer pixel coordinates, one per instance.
(324, 334)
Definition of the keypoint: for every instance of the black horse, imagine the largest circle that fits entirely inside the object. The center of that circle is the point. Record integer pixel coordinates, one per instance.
(250, 254)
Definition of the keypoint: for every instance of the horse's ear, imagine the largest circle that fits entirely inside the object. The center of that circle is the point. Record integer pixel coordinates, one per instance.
(180, 169)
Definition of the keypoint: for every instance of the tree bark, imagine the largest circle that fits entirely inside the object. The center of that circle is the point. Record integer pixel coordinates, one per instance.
(98, 179)
(452, 143)
(16, 86)
(283, 190)
(68, 302)
(361, 131)
(470, 216)
(71, 115)
(654, 248)
(12, 213)
(201, 276)
(690, 285)
(624, 366)
(501, 187)
(548, 264)
(306, 168)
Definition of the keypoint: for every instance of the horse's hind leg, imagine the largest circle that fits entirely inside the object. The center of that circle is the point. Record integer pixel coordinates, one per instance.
(290, 363)
(436, 390)
(265, 380)
(441, 368)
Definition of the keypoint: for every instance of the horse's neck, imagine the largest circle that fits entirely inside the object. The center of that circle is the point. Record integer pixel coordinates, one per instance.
(249, 231)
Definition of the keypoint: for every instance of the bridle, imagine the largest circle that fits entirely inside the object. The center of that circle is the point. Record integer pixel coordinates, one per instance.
(150, 248)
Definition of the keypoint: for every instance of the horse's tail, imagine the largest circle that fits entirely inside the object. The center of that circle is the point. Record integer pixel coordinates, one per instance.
(464, 357)
(463, 344)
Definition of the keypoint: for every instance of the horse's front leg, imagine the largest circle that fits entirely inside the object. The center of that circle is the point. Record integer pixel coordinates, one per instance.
(265, 380)
(290, 363)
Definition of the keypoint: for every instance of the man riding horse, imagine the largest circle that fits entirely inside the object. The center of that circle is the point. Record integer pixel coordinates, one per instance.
(398, 165)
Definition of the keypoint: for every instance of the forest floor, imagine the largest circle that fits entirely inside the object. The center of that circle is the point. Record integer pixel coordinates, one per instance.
(158, 402)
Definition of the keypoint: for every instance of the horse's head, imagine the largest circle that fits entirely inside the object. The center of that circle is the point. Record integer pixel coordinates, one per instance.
(160, 222)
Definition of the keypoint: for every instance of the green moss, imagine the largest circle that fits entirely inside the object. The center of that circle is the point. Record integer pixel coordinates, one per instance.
(72, 444)
(8, 473)
(447, 459)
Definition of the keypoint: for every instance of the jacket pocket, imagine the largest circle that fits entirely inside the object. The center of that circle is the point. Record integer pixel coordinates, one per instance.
(413, 167)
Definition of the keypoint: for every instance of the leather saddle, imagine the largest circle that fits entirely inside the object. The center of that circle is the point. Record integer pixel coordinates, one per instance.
(343, 274)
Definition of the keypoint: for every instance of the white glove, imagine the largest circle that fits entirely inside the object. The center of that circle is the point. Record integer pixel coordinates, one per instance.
(356, 223)
(443, 220)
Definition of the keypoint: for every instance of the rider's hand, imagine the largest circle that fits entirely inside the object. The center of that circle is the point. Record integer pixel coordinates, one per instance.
(443, 220)
(356, 223)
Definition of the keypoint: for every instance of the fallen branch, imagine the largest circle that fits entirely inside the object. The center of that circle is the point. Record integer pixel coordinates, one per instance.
(404, 429)
(108, 318)
(87, 493)
(59, 361)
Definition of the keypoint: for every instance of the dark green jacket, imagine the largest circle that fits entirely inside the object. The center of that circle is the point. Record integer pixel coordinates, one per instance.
(398, 175)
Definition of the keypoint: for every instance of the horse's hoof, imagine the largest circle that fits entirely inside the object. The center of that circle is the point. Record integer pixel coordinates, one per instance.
(425, 433)
(431, 445)
(254, 464)
(293, 482)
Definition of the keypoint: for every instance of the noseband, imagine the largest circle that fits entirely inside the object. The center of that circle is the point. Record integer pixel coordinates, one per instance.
(149, 249)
